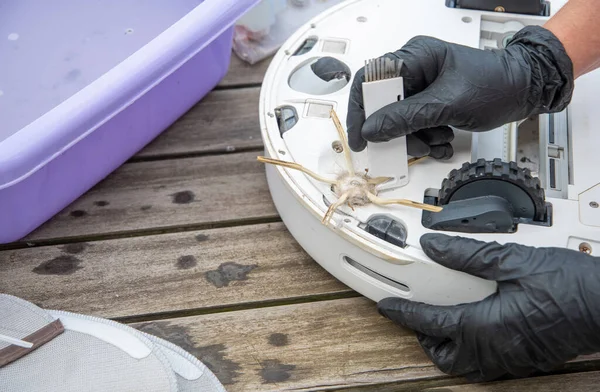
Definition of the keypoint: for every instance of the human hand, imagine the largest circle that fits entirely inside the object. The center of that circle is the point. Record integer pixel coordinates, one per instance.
(544, 313)
(477, 90)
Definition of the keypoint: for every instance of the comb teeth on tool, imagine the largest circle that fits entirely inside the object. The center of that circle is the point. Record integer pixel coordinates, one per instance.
(383, 86)
(381, 69)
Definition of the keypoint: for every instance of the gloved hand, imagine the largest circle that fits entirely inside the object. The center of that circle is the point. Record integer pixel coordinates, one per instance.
(448, 84)
(545, 312)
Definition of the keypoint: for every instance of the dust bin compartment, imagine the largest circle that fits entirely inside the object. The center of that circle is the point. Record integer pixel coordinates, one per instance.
(84, 85)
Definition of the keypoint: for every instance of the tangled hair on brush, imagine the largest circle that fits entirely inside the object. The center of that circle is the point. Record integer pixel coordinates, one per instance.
(355, 190)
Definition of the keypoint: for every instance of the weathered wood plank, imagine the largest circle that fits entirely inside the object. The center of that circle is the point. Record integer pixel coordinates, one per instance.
(577, 382)
(167, 273)
(242, 74)
(315, 346)
(161, 194)
(224, 121)
(342, 344)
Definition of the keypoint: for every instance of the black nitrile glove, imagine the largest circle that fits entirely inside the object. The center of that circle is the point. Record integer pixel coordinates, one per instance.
(448, 84)
(546, 310)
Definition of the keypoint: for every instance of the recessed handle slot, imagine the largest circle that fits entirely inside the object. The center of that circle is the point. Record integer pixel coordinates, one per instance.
(367, 271)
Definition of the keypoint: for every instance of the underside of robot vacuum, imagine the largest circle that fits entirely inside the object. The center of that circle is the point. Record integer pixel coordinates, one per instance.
(530, 182)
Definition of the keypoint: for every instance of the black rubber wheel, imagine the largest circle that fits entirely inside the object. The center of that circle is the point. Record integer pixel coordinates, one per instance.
(496, 178)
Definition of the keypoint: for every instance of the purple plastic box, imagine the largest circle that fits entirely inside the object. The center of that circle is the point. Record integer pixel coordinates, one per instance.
(84, 85)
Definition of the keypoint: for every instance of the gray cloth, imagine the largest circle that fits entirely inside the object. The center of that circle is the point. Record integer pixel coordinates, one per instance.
(19, 318)
(93, 354)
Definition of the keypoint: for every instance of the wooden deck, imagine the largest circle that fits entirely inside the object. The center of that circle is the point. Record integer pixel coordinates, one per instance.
(184, 242)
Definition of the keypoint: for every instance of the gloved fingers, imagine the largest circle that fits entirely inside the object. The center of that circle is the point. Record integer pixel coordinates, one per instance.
(417, 147)
(442, 152)
(479, 375)
(422, 58)
(433, 142)
(415, 113)
(429, 343)
(491, 261)
(356, 114)
(436, 136)
(445, 354)
(436, 321)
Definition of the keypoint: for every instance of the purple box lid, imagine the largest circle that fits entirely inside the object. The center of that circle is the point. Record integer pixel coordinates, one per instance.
(69, 66)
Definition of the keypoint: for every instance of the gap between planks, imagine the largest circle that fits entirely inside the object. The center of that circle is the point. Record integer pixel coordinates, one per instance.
(155, 231)
(237, 86)
(238, 307)
(195, 154)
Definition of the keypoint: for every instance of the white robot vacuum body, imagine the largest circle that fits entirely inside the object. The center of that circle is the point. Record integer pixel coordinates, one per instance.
(530, 182)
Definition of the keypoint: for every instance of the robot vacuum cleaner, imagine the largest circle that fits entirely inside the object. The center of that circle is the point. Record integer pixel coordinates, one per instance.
(361, 215)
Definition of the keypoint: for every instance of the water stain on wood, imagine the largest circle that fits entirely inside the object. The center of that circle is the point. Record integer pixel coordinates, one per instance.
(184, 197)
(213, 356)
(74, 249)
(145, 208)
(278, 339)
(273, 371)
(61, 265)
(202, 237)
(78, 213)
(228, 272)
(186, 262)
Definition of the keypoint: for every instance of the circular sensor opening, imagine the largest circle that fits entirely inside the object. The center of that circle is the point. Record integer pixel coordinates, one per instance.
(320, 76)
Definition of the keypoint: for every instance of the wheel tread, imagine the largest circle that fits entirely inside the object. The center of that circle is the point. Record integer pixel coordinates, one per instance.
(495, 169)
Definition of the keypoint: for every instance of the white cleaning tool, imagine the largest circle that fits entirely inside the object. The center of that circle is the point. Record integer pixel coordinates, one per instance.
(15, 341)
(383, 86)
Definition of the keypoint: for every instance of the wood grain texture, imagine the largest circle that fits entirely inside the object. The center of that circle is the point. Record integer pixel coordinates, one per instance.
(167, 273)
(162, 194)
(242, 74)
(224, 121)
(580, 382)
(305, 347)
(341, 344)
